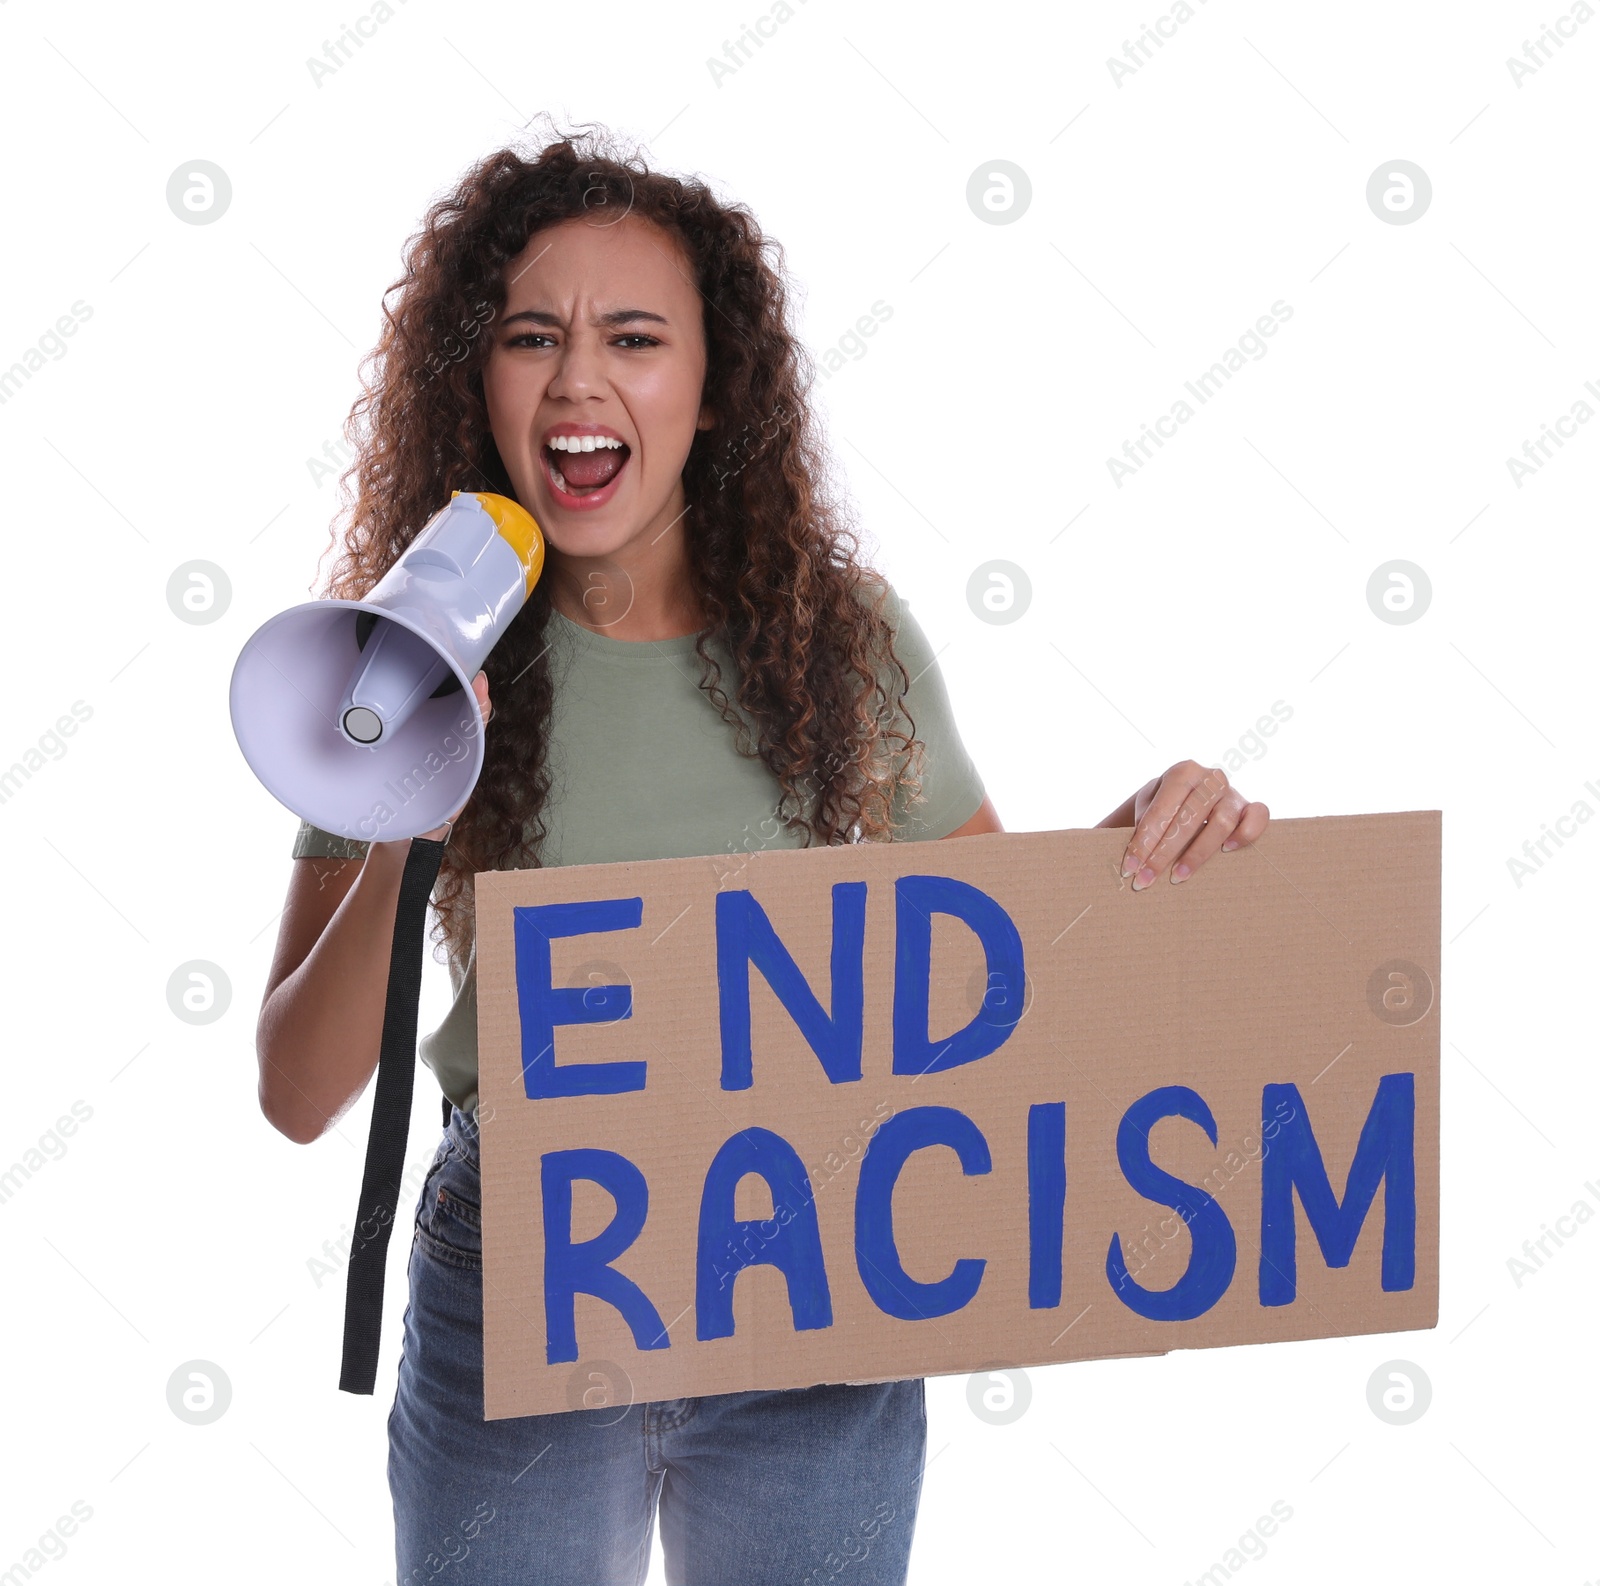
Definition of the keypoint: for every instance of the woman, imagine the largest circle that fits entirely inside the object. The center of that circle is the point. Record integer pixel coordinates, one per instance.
(705, 667)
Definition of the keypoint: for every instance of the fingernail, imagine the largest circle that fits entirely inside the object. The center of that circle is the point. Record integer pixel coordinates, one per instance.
(1129, 864)
(1181, 873)
(1144, 878)
(1229, 846)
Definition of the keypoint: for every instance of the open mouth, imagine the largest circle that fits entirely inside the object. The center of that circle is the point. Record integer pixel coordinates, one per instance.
(584, 479)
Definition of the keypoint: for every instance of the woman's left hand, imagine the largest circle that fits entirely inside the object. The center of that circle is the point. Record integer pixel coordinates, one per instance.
(1183, 817)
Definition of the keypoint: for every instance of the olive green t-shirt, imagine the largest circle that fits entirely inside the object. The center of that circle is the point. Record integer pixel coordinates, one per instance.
(643, 766)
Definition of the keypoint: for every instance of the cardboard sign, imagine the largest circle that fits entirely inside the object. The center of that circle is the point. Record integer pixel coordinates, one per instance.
(888, 1110)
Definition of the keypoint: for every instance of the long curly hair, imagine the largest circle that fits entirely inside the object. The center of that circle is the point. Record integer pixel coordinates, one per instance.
(773, 554)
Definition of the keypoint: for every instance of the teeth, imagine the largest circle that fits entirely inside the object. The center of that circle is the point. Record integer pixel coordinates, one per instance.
(584, 443)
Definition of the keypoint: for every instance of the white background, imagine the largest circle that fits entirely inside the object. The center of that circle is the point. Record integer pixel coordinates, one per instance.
(1168, 613)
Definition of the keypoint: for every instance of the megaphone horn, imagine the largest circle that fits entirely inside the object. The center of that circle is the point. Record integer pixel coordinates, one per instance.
(359, 715)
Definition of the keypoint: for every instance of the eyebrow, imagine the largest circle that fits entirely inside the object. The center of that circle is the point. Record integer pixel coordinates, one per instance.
(618, 316)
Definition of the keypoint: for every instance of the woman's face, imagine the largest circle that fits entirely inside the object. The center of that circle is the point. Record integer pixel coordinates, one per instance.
(601, 336)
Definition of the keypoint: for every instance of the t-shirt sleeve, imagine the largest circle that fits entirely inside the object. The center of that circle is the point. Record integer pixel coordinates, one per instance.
(952, 790)
(311, 842)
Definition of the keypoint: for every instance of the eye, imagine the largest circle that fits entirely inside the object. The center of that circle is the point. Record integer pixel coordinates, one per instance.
(649, 341)
(525, 338)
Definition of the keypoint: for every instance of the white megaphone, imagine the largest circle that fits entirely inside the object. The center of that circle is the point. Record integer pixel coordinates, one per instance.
(359, 715)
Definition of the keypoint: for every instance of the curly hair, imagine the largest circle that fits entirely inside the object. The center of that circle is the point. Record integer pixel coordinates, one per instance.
(772, 553)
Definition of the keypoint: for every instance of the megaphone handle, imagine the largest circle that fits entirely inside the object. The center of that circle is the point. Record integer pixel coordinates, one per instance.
(391, 1121)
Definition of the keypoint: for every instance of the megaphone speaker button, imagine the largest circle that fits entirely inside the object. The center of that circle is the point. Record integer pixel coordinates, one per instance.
(362, 724)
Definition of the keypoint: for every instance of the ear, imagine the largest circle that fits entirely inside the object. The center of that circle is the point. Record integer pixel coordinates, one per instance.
(707, 419)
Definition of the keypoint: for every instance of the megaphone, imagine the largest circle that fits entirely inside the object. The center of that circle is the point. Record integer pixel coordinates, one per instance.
(359, 715)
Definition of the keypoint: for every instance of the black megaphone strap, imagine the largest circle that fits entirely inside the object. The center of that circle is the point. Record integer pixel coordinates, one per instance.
(391, 1121)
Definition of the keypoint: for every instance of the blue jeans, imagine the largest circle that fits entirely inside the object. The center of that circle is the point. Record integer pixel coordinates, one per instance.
(802, 1486)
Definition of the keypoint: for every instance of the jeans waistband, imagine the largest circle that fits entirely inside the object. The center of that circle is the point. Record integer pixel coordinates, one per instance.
(463, 1129)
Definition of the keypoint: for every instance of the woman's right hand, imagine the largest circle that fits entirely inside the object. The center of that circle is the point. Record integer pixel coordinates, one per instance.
(319, 1032)
(480, 687)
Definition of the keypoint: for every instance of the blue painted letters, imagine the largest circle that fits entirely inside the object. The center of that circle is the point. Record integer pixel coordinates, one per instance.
(916, 900)
(585, 1267)
(789, 1239)
(892, 1289)
(1213, 1251)
(1386, 1151)
(541, 1006)
(745, 938)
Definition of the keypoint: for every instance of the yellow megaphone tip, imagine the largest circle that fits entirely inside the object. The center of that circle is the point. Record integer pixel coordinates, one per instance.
(517, 528)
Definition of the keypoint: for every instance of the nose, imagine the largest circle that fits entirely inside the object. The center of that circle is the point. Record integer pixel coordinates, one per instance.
(578, 372)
